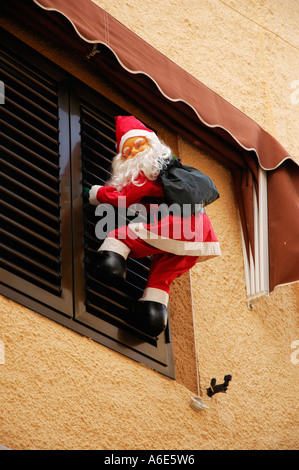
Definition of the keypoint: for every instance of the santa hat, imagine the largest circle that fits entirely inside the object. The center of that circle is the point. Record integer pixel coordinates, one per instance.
(129, 126)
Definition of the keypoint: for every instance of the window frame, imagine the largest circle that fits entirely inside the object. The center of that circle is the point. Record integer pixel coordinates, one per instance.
(69, 310)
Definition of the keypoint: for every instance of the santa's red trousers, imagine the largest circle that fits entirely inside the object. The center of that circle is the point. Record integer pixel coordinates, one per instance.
(165, 267)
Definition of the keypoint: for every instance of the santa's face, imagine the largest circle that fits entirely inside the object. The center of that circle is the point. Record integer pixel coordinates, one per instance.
(133, 146)
(139, 154)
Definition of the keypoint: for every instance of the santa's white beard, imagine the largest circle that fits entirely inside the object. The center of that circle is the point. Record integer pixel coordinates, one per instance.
(149, 162)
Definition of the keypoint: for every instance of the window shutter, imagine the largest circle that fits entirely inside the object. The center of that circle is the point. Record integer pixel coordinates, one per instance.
(101, 306)
(57, 135)
(98, 149)
(31, 203)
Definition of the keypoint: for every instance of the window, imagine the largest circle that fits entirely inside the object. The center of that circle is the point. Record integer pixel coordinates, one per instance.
(57, 135)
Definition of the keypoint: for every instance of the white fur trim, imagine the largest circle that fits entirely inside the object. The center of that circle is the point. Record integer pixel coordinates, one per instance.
(177, 247)
(155, 295)
(137, 133)
(112, 244)
(93, 194)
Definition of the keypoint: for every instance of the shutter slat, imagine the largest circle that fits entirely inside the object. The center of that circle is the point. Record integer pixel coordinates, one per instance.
(28, 217)
(99, 136)
(30, 90)
(29, 127)
(95, 167)
(23, 174)
(35, 108)
(43, 241)
(20, 109)
(31, 167)
(99, 122)
(30, 276)
(26, 150)
(28, 138)
(92, 144)
(99, 180)
(35, 195)
(29, 246)
(34, 75)
(30, 261)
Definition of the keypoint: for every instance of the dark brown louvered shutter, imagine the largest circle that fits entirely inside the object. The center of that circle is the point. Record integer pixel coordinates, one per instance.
(31, 241)
(98, 305)
(98, 148)
(57, 135)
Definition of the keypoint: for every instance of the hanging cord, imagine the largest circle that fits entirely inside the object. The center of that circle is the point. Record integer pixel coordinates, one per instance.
(198, 403)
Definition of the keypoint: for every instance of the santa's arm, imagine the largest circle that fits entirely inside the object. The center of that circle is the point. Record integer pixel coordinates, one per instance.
(108, 195)
(93, 194)
(130, 194)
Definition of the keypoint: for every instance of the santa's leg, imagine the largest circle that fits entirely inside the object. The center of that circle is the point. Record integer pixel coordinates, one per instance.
(165, 268)
(110, 267)
(150, 313)
(109, 264)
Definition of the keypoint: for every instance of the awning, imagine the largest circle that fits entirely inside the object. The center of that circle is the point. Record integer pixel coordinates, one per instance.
(187, 107)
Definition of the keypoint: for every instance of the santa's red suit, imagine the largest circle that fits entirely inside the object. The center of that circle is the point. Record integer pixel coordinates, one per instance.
(175, 242)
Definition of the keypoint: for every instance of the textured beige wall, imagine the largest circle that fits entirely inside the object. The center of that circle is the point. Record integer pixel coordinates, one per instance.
(61, 390)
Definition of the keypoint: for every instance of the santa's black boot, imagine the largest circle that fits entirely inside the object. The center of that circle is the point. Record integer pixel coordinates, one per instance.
(149, 317)
(109, 267)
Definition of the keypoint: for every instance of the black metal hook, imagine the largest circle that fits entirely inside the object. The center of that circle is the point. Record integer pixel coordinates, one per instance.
(220, 387)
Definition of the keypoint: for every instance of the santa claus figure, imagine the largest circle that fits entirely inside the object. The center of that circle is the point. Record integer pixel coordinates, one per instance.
(173, 240)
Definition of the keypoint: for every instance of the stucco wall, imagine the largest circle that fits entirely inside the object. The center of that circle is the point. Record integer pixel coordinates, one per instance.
(62, 390)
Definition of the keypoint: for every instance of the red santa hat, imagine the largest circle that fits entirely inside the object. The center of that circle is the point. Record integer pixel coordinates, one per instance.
(129, 126)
